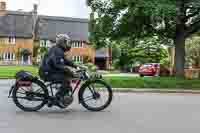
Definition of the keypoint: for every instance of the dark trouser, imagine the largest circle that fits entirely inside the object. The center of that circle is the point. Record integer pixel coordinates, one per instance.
(65, 78)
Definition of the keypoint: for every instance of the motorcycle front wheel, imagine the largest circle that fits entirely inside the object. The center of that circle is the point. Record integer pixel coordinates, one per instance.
(96, 95)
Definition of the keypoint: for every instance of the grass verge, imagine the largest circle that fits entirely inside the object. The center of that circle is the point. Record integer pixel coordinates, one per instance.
(120, 82)
(10, 71)
(153, 82)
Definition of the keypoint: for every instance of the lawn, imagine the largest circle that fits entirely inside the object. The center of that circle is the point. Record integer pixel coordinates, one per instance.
(153, 82)
(120, 81)
(10, 71)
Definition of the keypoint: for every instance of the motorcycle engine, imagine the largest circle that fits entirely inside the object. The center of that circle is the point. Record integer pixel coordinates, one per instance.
(68, 100)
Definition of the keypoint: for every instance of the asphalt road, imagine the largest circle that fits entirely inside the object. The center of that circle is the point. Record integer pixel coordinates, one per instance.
(129, 113)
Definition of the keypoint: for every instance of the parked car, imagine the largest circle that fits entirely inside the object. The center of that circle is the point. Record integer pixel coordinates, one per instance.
(153, 69)
(149, 69)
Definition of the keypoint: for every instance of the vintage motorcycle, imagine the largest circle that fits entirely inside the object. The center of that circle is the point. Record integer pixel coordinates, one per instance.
(30, 93)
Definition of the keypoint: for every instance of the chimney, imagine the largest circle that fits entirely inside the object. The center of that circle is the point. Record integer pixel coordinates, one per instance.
(35, 8)
(2, 6)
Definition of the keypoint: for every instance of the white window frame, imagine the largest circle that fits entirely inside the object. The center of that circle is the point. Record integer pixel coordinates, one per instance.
(77, 59)
(6, 56)
(78, 44)
(9, 56)
(42, 43)
(11, 40)
(72, 44)
(75, 44)
(81, 43)
(13, 56)
(48, 43)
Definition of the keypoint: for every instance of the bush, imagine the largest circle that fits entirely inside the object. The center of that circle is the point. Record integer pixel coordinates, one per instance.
(112, 68)
(87, 59)
(91, 67)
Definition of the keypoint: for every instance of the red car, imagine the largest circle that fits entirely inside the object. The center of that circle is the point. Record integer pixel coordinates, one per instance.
(149, 69)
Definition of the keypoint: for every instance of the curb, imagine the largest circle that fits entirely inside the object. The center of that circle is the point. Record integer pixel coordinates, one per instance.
(128, 90)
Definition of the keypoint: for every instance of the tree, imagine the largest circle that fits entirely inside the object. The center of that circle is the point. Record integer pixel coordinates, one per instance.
(193, 51)
(43, 51)
(148, 50)
(173, 20)
(36, 48)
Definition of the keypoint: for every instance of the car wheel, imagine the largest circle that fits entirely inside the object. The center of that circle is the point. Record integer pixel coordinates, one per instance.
(141, 75)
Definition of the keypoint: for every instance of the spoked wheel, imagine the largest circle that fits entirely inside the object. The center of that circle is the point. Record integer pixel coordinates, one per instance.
(96, 95)
(30, 98)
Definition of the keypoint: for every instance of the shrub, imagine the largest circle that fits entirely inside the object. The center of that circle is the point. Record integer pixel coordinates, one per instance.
(91, 67)
(87, 59)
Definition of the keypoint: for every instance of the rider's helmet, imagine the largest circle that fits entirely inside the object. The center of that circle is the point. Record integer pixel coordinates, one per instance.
(63, 41)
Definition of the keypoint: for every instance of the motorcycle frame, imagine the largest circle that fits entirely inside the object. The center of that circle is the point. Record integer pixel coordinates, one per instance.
(78, 82)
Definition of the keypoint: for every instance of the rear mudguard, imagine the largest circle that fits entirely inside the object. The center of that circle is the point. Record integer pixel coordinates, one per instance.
(16, 85)
(11, 90)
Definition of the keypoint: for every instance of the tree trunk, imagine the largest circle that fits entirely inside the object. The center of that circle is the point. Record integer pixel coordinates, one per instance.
(179, 54)
(180, 38)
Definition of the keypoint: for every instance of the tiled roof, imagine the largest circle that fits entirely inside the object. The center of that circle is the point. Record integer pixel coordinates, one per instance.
(17, 24)
(76, 28)
(20, 24)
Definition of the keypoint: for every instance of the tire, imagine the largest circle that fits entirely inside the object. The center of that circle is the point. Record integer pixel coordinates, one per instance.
(141, 75)
(85, 87)
(30, 109)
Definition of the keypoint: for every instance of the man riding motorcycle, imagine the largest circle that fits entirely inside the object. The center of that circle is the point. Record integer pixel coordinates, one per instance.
(54, 68)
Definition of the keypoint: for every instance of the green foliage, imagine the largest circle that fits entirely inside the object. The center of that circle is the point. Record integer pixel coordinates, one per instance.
(132, 19)
(43, 50)
(193, 51)
(170, 20)
(91, 67)
(145, 51)
(165, 62)
(87, 59)
(148, 50)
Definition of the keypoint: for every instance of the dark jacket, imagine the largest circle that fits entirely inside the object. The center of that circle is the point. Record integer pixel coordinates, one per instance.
(54, 61)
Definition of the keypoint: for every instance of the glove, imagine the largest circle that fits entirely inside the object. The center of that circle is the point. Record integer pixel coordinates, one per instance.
(78, 68)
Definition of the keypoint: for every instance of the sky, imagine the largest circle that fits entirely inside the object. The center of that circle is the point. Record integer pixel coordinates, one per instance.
(67, 8)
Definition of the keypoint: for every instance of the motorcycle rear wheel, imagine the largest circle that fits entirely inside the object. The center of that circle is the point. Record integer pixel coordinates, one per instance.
(41, 90)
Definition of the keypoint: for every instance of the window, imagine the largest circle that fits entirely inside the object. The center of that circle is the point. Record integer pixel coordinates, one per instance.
(8, 56)
(77, 59)
(42, 43)
(2, 41)
(11, 40)
(48, 43)
(13, 56)
(81, 44)
(77, 44)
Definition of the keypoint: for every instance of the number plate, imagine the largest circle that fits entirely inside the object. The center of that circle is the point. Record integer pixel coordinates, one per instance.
(24, 83)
